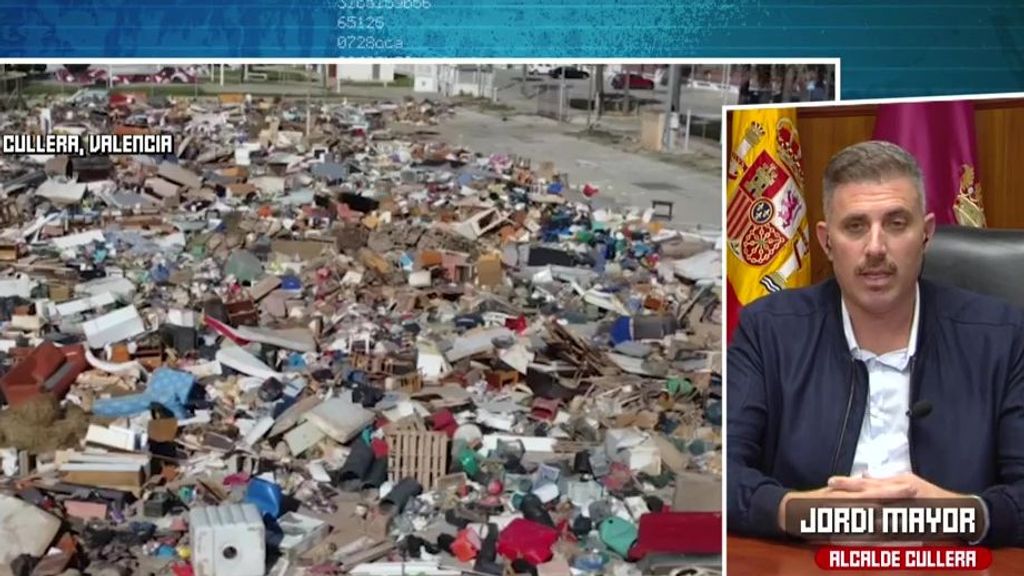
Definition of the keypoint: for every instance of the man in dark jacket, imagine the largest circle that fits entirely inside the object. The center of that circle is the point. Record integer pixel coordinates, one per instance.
(876, 383)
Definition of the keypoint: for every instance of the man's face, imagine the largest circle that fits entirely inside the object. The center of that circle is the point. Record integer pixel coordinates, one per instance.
(875, 236)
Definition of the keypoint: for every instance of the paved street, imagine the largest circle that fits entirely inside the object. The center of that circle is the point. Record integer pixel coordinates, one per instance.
(702, 101)
(625, 179)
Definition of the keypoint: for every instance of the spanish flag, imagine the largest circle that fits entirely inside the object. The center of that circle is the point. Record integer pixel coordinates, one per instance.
(767, 237)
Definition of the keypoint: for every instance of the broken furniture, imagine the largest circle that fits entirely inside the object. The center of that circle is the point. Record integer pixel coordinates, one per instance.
(46, 369)
(662, 209)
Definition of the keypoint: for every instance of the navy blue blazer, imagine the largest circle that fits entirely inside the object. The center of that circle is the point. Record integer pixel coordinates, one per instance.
(796, 399)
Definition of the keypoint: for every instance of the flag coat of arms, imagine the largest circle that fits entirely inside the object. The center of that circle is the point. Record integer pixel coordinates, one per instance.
(767, 238)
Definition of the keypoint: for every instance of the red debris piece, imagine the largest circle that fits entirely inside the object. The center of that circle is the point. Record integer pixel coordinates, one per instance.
(697, 533)
(47, 368)
(528, 540)
(379, 447)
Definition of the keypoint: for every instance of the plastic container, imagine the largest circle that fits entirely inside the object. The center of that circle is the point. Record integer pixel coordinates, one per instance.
(227, 540)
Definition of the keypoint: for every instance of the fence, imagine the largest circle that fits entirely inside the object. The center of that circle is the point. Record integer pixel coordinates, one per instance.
(466, 81)
(553, 102)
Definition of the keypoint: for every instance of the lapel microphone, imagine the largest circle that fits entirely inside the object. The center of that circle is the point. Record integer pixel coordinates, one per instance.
(920, 409)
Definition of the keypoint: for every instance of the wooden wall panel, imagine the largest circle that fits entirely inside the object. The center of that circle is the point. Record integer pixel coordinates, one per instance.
(1000, 133)
(999, 126)
(821, 136)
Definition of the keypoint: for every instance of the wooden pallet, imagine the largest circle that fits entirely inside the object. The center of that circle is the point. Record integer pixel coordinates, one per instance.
(410, 382)
(417, 454)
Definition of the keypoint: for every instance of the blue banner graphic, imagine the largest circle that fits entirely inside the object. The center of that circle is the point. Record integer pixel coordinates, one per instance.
(894, 48)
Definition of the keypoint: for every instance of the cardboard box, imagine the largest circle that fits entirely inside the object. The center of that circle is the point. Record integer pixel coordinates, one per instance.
(488, 271)
(231, 98)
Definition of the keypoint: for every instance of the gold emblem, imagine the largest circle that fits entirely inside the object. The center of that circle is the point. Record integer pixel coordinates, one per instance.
(968, 207)
(764, 176)
(788, 140)
(751, 138)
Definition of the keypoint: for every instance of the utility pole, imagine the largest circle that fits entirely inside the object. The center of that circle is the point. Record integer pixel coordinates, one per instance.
(726, 84)
(686, 135)
(309, 115)
(671, 107)
(625, 79)
(675, 80)
(590, 99)
(561, 97)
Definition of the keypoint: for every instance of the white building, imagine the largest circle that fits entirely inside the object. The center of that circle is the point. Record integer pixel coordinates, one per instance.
(454, 80)
(353, 72)
(426, 77)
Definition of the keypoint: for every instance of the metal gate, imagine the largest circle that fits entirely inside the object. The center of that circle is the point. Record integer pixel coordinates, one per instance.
(553, 102)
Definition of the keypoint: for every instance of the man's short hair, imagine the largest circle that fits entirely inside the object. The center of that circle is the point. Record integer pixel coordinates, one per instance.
(872, 161)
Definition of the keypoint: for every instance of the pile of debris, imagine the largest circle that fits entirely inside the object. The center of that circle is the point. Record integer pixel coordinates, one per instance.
(328, 345)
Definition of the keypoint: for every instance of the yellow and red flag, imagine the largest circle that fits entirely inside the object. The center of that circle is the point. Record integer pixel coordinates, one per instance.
(767, 237)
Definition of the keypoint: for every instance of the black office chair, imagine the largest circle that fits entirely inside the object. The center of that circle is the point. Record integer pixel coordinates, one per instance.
(985, 260)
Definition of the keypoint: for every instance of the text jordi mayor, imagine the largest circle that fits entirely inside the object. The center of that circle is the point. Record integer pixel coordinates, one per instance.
(910, 520)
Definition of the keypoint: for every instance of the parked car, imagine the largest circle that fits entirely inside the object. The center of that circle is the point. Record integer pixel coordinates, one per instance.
(94, 76)
(540, 69)
(636, 82)
(570, 72)
(27, 68)
(87, 97)
(174, 75)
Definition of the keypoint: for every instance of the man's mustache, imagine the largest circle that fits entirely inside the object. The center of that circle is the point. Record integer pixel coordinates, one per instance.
(886, 267)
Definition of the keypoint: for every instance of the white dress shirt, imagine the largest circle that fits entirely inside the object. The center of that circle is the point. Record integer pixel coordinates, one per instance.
(883, 448)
